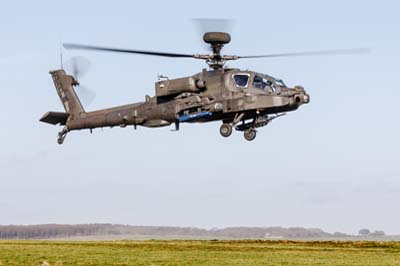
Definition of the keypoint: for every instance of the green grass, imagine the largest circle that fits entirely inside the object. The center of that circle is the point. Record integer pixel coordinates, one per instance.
(187, 252)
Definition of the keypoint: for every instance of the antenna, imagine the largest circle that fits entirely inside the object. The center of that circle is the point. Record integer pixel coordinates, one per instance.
(61, 56)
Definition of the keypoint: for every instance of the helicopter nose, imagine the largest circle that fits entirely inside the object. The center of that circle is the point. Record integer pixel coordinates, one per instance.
(301, 98)
(300, 95)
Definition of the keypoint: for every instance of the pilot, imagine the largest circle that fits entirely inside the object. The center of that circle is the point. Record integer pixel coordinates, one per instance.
(268, 87)
(257, 83)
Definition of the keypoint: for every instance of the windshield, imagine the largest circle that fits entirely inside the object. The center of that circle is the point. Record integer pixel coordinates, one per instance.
(265, 84)
(278, 82)
(259, 82)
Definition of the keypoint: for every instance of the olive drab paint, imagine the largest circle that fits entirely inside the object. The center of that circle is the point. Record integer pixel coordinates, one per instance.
(242, 100)
(207, 96)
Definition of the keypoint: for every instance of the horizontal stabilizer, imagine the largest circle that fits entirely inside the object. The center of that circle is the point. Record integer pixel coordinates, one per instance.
(55, 118)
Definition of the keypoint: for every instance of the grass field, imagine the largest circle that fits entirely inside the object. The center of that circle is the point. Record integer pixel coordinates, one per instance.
(187, 252)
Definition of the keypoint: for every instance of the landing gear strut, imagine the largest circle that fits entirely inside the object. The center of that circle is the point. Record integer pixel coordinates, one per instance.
(249, 127)
(226, 128)
(61, 135)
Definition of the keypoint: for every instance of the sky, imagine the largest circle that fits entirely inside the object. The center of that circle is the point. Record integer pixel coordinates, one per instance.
(332, 164)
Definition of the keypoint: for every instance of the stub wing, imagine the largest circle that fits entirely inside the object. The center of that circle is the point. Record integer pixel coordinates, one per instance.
(55, 118)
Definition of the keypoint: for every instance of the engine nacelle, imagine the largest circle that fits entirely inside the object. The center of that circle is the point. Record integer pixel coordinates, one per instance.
(177, 86)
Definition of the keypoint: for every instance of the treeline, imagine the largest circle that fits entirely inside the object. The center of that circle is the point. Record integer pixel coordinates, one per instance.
(52, 230)
(47, 231)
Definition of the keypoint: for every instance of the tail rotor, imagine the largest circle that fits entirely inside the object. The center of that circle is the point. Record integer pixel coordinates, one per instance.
(78, 66)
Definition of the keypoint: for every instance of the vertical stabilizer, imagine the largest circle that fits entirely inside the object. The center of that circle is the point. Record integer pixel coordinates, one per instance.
(65, 88)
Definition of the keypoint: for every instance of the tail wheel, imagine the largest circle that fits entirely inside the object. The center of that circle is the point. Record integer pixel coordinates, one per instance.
(60, 140)
(250, 134)
(61, 135)
(225, 130)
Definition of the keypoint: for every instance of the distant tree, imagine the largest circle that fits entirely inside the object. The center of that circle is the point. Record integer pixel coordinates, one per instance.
(339, 234)
(364, 232)
(378, 233)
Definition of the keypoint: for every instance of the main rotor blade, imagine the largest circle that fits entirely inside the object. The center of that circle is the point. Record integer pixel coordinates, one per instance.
(312, 53)
(118, 50)
(204, 25)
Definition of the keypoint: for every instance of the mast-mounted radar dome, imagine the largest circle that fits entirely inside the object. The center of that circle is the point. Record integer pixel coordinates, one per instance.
(217, 38)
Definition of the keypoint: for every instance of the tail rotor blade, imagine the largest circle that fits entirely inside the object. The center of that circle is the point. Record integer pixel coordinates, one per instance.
(86, 95)
(78, 66)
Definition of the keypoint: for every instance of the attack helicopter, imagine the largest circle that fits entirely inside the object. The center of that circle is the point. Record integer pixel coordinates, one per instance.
(243, 100)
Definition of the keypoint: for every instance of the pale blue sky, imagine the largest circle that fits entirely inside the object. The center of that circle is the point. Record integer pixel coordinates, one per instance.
(333, 164)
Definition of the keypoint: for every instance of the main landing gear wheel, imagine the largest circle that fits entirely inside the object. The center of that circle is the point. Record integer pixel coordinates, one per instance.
(225, 130)
(250, 134)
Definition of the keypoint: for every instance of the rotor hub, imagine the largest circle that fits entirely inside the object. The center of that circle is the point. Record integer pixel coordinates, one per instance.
(217, 40)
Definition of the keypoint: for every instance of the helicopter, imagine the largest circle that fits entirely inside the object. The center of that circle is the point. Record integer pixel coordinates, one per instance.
(242, 100)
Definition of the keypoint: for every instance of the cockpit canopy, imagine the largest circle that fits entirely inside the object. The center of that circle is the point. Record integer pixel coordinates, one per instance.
(243, 80)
